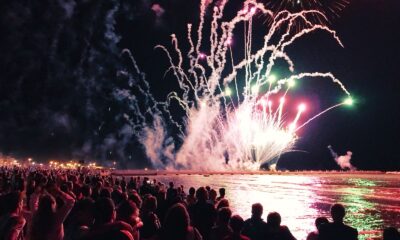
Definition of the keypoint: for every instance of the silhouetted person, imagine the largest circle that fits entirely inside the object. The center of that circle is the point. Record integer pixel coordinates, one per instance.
(276, 231)
(136, 199)
(86, 191)
(236, 223)
(34, 198)
(105, 227)
(222, 203)
(104, 193)
(221, 194)
(337, 229)
(222, 228)
(116, 195)
(191, 198)
(176, 225)
(129, 213)
(318, 223)
(203, 213)
(151, 223)
(255, 226)
(80, 219)
(132, 184)
(171, 193)
(48, 220)
(12, 222)
(212, 197)
(391, 233)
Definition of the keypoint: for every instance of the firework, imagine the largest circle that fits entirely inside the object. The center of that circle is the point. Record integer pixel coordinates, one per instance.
(235, 109)
(330, 8)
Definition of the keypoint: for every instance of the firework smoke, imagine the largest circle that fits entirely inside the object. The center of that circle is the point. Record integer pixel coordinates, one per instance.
(235, 115)
(344, 160)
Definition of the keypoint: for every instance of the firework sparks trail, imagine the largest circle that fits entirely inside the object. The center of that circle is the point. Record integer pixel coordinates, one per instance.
(223, 127)
(330, 8)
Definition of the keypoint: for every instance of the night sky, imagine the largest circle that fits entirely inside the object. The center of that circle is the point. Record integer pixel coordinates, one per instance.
(60, 62)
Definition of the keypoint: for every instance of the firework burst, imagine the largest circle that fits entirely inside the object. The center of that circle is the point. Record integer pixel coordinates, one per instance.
(235, 108)
(330, 8)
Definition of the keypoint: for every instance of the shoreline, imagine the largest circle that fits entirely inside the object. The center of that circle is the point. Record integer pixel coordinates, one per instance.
(141, 172)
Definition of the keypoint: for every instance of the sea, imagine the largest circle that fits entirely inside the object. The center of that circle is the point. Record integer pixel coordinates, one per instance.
(372, 200)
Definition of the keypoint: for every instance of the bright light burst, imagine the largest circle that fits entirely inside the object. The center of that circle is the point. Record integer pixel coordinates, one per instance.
(235, 109)
(330, 8)
(349, 101)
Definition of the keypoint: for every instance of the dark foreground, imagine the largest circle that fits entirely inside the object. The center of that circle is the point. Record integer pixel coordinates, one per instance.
(371, 198)
(85, 204)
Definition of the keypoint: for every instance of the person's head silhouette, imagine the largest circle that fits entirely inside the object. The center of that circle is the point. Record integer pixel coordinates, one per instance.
(338, 212)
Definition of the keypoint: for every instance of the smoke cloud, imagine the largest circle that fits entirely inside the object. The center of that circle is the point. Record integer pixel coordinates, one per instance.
(60, 63)
(343, 161)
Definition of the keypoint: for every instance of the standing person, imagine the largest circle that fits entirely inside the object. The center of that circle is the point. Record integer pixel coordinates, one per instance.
(203, 213)
(236, 223)
(212, 197)
(276, 231)
(318, 223)
(222, 228)
(391, 233)
(171, 193)
(151, 223)
(128, 212)
(255, 226)
(105, 227)
(12, 222)
(191, 198)
(80, 220)
(34, 198)
(337, 229)
(176, 225)
(221, 194)
(48, 221)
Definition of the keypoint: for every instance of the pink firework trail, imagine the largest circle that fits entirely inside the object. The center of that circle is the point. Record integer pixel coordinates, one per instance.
(235, 117)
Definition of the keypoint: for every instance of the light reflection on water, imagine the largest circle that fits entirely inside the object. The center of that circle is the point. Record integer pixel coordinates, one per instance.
(372, 201)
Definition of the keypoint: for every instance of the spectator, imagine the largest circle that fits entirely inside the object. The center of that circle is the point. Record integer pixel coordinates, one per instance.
(128, 212)
(213, 197)
(80, 220)
(222, 228)
(134, 196)
(318, 222)
(177, 225)
(191, 198)
(223, 203)
(236, 223)
(104, 193)
(203, 214)
(34, 199)
(276, 231)
(50, 216)
(337, 229)
(86, 191)
(105, 227)
(255, 226)
(391, 233)
(151, 223)
(171, 193)
(12, 222)
(221, 194)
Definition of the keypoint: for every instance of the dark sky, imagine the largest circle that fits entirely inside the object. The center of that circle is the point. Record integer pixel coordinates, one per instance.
(60, 59)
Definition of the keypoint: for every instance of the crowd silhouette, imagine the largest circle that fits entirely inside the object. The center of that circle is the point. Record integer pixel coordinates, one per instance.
(87, 205)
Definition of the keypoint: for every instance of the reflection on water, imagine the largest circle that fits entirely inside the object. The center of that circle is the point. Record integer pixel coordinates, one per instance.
(362, 214)
(372, 201)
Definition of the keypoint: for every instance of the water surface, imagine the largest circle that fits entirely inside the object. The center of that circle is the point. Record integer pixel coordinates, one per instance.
(372, 200)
